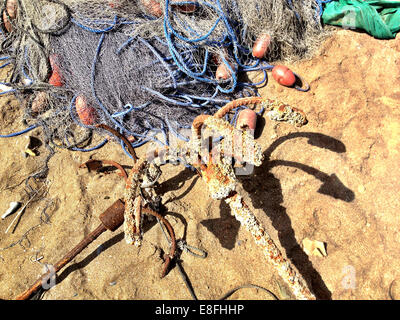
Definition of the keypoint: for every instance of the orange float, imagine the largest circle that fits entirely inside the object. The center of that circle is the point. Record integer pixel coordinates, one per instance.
(247, 119)
(153, 7)
(223, 72)
(185, 8)
(283, 75)
(261, 45)
(55, 78)
(115, 4)
(86, 113)
(11, 8)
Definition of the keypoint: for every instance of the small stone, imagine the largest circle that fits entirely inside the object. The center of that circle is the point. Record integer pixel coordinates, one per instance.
(40, 102)
(113, 283)
(361, 188)
(27, 82)
(314, 247)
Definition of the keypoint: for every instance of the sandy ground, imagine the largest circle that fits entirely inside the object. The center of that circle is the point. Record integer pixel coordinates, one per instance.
(335, 180)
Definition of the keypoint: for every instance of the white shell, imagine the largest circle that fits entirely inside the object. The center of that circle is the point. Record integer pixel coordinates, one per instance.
(14, 206)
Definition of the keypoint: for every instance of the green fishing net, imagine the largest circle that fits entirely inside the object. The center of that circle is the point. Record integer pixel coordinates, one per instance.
(380, 18)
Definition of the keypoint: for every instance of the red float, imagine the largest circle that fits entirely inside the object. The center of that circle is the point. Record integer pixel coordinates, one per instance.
(153, 7)
(261, 45)
(115, 4)
(87, 114)
(11, 8)
(185, 8)
(283, 75)
(55, 78)
(223, 72)
(247, 119)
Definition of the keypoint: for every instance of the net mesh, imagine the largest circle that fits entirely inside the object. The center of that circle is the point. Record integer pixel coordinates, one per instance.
(142, 66)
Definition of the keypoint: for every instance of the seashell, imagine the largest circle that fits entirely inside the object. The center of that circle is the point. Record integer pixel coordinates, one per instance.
(314, 247)
(14, 206)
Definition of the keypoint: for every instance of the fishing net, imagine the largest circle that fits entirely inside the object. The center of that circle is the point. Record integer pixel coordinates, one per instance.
(141, 67)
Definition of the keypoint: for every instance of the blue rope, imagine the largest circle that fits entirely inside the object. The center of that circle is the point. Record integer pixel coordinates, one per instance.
(96, 30)
(291, 6)
(100, 145)
(130, 108)
(5, 65)
(175, 133)
(179, 103)
(248, 84)
(148, 45)
(19, 132)
(28, 65)
(125, 44)
(319, 10)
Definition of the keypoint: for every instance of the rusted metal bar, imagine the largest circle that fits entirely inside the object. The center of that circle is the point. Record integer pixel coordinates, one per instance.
(93, 164)
(221, 182)
(271, 251)
(279, 111)
(110, 219)
(168, 258)
(131, 150)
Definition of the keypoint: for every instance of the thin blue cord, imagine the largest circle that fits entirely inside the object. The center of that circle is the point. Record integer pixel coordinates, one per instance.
(125, 44)
(248, 84)
(5, 65)
(130, 108)
(175, 133)
(100, 145)
(28, 65)
(96, 30)
(148, 45)
(19, 132)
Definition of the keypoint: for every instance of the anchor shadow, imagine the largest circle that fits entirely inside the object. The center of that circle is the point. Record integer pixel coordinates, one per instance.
(265, 192)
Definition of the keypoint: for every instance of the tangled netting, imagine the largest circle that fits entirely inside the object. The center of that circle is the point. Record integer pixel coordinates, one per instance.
(145, 66)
